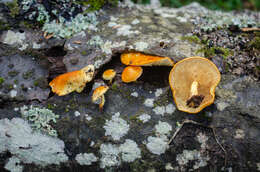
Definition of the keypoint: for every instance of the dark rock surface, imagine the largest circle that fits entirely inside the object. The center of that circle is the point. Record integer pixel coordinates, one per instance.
(226, 135)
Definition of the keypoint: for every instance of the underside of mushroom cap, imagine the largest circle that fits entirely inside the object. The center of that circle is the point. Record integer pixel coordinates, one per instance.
(193, 81)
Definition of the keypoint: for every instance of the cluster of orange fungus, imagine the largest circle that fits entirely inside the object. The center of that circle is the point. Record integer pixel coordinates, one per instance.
(139, 59)
(98, 96)
(72, 81)
(193, 81)
(131, 73)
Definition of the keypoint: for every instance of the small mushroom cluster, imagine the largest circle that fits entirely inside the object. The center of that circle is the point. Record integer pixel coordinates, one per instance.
(135, 60)
(192, 80)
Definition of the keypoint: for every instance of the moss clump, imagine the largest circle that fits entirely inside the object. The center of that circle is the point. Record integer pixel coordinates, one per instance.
(29, 74)
(4, 25)
(84, 53)
(13, 73)
(41, 82)
(2, 80)
(192, 39)
(13, 7)
(255, 43)
(96, 4)
(212, 51)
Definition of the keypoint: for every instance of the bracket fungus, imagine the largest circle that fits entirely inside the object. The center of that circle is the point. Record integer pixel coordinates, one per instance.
(109, 75)
(193, 81)
(139, 59)
(98, 96)
(131, 73)
(72, 81)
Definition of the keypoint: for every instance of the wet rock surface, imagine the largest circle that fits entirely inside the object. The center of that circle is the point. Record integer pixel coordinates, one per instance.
(138, 119)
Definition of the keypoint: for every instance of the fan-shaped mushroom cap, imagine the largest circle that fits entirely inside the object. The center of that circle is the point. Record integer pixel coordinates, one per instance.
(193, 81)
(131, 73)
(72, 81)
(98, 95)
(139, 59)
(109, 74)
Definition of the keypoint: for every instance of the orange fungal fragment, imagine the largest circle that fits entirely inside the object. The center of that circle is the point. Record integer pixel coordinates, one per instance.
(72, 81)
(139, 59)
(131, 73)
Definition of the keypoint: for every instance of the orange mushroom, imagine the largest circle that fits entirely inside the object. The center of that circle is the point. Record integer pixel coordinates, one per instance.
(98, 96)
(72, 81)
(193, 81)
(139, 59)
(109, 74)
(131, 73)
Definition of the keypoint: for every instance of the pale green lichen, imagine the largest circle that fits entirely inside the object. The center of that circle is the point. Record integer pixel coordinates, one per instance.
(13, 165)
(65, 29)
(17, 137)
(40, 119)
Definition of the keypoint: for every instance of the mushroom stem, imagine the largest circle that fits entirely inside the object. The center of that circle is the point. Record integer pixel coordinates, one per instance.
(194, 88)
(195, 99)
(102, 103)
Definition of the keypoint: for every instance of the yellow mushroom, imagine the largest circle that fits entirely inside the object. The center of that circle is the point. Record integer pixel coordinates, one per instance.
(72, 81)
(193, 81)
(109, 75)
(139, 59)
(131, 73)
(98, 96)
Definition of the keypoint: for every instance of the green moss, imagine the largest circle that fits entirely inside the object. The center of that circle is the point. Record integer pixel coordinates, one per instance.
(84, 53)
(192, 39)
(94, 5)
(13, 7)
(255, 43)
(26, 24)
(41, 82)
(2, 80)
(114, 87)
(212, 51)
(4, 25)
(13, 73)
(29, 74)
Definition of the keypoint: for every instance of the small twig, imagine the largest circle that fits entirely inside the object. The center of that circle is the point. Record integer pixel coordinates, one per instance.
(196, 123)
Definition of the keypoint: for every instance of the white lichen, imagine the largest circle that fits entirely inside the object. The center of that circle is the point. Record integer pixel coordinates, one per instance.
(76, 113)
(194, 155)
(116, 127)
(13, 93)
(149, 102)
(163, 128)
(159, 110)
(222, 105)
(157, 145)
(109, 155)
(141, 46)
(134, 94)
(86, 158)
(125, 30)
(240, 134)
(13, 165)
(135, 21)
(129, 151)
(87, 117)
(17, 137)
(170, 108)
(158, 92)
(144, 118)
